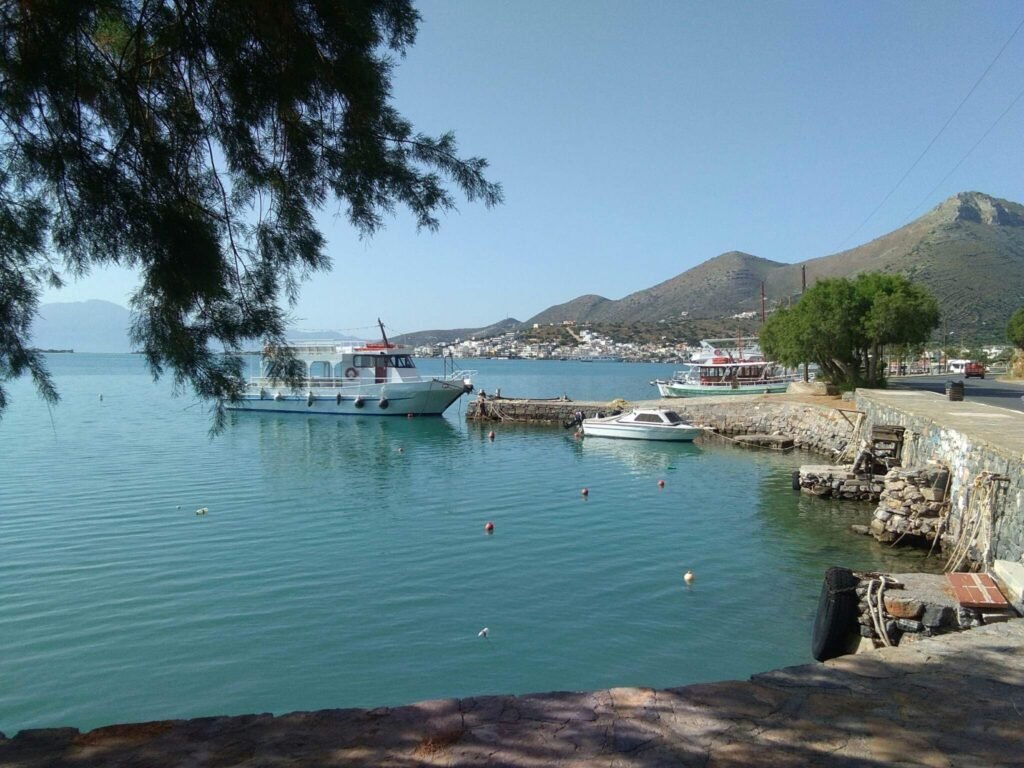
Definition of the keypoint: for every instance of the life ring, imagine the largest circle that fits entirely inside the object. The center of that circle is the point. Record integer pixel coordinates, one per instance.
(351, 373)
(835, 625)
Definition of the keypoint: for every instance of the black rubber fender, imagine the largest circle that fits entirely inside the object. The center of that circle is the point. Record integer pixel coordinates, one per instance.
(796, 479)
(835, 625)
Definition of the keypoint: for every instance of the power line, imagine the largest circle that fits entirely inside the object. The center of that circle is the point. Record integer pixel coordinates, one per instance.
(934, 138)
(966, 155)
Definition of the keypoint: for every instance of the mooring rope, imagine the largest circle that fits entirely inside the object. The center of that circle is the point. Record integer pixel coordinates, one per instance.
(876, 605)
(946, 506)
(713, 431)
(977, 515)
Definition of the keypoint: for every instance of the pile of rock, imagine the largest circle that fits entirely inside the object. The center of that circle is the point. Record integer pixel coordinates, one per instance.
(830, 481)
(912, 504)
(915, 605)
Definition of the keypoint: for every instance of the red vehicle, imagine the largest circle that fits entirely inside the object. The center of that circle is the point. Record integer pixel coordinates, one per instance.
(973, 369)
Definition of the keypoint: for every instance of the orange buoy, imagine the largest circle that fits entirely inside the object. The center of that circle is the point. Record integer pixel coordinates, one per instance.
(661, 483)
(489, 527)
(576, 435)
(585, 492)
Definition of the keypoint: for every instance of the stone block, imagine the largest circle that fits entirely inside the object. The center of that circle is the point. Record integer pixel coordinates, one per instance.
(997, 617)
(933, 494)
(909, 625)
(882, 515)
(1010, 578)
(902, 607)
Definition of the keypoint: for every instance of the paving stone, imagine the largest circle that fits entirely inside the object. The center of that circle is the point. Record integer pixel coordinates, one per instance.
(954, 700)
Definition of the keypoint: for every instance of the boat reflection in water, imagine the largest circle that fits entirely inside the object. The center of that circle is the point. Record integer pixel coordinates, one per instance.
(642, 457)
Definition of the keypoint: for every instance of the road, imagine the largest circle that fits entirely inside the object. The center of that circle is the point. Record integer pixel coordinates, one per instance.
(988, 390)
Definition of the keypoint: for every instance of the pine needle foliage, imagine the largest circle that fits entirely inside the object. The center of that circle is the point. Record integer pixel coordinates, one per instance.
(194, 141)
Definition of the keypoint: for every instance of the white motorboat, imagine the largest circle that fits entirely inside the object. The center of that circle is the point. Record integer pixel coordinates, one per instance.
(346, 378)
(642, 424)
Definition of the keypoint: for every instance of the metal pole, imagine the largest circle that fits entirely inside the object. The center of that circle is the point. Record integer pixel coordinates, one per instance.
(803, 289)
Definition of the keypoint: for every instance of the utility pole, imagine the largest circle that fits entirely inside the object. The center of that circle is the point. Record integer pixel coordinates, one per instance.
(762, 302)
(803, 289)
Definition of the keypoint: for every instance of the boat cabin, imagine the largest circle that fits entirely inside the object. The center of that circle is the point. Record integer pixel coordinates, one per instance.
(738, 373)
(657, 417)
(332, 365)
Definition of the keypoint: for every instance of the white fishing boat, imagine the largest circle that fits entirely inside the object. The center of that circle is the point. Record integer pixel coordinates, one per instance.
(346, 378)
(642, 424)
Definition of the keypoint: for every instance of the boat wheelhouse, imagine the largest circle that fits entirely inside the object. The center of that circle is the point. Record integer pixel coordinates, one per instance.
(342, 378)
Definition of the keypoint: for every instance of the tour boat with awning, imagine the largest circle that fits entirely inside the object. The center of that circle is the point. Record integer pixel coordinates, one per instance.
(361, 378)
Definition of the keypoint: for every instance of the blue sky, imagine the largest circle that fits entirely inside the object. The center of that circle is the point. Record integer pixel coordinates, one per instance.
(636, 140)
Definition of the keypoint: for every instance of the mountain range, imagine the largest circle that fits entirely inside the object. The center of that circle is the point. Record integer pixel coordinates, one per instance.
(968, 251)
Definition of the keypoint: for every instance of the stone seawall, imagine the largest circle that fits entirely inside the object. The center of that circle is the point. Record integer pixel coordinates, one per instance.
(983, 449)
(832, 481)
(944, 701)
(822, 428)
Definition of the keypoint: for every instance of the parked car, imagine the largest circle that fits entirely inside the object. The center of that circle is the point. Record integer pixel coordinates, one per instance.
(973, 369)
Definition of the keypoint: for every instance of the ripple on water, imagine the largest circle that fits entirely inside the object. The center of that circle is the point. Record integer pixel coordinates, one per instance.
(335, 570)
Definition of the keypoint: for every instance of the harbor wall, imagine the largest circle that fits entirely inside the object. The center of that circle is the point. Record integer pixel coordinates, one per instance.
(978, 496)
(821, 428)
(985, 495)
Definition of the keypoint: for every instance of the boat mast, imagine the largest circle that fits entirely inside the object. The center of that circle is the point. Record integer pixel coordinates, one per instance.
(382, 334)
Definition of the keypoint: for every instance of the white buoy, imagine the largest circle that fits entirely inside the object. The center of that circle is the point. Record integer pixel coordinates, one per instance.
(202, 510)
(688, 577)
(483, 633)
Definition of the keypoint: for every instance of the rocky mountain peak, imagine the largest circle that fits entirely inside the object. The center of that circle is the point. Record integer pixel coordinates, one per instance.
(981, 209)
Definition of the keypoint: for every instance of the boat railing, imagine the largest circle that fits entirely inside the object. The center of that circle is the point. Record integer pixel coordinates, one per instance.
(329, 382)
(456, 376)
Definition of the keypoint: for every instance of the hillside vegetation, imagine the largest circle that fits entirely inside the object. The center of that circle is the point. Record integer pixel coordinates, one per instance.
(968, 252)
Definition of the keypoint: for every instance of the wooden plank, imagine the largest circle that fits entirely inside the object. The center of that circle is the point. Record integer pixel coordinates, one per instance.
(976, 590)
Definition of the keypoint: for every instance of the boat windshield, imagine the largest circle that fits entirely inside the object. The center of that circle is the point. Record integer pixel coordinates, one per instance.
(382, 361)
(672, 417)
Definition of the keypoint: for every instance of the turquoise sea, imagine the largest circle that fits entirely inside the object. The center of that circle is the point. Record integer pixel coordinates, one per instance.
(343, 561)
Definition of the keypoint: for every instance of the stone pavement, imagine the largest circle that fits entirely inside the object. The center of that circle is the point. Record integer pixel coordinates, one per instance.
(956, 700)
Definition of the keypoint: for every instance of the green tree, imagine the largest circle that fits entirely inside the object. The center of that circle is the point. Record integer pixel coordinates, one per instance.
(1015, 329)
(194, 141)
(844, 325)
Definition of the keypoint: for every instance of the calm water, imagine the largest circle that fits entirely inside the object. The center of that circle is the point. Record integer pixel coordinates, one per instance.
(343, 561)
